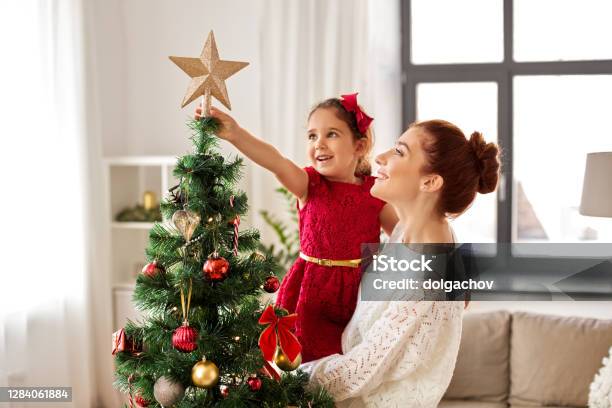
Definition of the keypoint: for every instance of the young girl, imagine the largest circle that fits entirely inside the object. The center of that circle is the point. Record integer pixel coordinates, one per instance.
(336, 215)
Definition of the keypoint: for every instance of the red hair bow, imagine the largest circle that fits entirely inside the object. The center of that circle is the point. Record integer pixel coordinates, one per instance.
(281, 327)
(350, 104)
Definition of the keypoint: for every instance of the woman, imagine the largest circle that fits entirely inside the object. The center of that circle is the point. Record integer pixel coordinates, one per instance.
(403, 353)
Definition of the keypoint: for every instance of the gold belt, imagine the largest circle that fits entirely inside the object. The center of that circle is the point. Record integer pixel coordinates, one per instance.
(351, 263)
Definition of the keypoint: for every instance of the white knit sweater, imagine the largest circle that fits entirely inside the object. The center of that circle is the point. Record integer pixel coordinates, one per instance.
(395, 354)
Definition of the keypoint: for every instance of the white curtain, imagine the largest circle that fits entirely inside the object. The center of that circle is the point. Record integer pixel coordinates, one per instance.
(312, 50)
(50, 161)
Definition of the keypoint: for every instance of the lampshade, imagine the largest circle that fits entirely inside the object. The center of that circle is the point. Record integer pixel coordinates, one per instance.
(597, 188)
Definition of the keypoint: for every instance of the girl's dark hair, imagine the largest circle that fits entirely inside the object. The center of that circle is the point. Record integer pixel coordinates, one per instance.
(466, 166)
(364, 168)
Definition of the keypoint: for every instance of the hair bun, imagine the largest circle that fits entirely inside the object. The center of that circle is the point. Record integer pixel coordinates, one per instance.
(487, 155)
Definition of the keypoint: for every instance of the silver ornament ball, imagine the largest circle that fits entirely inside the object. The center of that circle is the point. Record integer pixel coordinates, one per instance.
(168, 392)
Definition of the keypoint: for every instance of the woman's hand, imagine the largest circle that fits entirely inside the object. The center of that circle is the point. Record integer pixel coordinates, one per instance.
(229, 128)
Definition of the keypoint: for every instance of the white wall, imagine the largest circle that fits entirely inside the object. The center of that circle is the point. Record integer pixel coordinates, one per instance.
(140, 90)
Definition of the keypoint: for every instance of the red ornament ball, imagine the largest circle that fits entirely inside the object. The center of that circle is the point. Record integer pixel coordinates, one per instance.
(224, 389)
(254, 383)
(271, 284)
(140, 401)
(152, 269)
(185, 338)
(216, 268)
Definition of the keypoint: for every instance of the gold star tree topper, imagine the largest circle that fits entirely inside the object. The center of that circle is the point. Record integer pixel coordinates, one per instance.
(208, 74)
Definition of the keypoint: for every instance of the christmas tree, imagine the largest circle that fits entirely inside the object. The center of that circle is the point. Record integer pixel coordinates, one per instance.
(206, 340)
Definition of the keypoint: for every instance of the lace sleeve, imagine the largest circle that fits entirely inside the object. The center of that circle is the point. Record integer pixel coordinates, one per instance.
(399, 342)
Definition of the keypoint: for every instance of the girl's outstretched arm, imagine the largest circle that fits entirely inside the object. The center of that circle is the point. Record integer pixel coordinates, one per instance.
(294, 178)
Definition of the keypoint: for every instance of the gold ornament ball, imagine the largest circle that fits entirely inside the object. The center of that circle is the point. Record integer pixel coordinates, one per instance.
(283, 362)
(205, 374)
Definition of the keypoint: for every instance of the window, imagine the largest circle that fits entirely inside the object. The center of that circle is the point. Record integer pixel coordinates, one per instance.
(553, 30)
(553, 133)
(514, 70)
(467, 31)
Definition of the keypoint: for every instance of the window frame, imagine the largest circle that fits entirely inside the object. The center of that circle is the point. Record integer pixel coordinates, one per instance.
(503, 73)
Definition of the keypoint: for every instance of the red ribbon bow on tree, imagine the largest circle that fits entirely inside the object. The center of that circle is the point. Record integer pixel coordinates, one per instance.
(279, 328)
(350, 104)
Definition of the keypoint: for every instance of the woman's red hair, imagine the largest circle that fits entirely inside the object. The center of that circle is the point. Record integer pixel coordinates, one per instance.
(466, 166)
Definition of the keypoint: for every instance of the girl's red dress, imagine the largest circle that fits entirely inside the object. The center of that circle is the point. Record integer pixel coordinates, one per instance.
(336, 219)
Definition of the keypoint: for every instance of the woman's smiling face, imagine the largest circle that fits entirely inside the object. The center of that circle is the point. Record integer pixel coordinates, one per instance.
(399, 177)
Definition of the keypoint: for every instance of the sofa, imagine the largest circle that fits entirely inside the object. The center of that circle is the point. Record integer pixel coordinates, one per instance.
(523, 359)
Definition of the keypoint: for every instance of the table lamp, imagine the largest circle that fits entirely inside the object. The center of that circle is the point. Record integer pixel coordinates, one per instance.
(597, 187)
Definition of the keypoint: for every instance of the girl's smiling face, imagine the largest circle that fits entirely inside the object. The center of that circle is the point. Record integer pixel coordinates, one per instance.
(332, 148)
(399, 177)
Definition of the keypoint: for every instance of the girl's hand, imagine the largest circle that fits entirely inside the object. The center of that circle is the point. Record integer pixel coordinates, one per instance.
(229, 128)
(293, 177)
